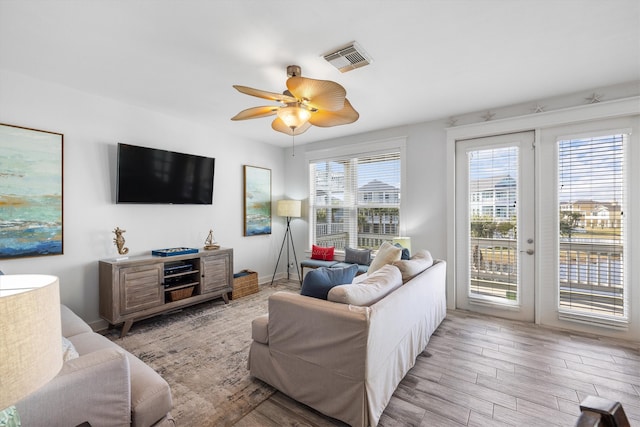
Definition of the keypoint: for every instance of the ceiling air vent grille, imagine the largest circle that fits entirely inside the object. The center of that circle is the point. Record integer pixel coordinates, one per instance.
(348, 57)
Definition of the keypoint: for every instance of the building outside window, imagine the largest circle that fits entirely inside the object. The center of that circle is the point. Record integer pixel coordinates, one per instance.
(355, 200)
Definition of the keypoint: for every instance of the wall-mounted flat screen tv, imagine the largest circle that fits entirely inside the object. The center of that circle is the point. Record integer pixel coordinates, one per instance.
(149, 175)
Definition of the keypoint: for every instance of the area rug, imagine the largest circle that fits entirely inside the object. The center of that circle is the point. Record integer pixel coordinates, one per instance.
(202, 351)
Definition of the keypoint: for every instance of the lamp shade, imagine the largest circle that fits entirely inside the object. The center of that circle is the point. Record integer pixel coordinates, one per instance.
(30, 334)
(405, 242)
(294, 116)
(290, 208)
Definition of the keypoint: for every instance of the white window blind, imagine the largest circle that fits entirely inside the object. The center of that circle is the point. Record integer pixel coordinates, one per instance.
(355, 200)
(493, 195)
(591, 198)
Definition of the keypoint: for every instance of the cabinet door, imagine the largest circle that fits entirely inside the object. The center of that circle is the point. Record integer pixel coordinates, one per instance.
(215, 273)
(141, 287)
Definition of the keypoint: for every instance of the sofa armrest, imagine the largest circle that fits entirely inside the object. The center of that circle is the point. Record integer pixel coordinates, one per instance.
(92, 388)
(320, 332)
(260, 329)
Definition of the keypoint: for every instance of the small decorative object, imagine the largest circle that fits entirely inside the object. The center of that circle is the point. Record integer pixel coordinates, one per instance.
(538, 108)
(488, 116)
(257, 201)
(594, 98)
(209, 243)
(119, 241)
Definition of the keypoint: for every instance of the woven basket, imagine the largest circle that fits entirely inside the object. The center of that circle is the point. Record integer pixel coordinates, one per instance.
(179, 294)
(245, 285)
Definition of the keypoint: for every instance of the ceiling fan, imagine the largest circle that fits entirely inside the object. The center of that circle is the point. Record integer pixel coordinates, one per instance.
(306, 102)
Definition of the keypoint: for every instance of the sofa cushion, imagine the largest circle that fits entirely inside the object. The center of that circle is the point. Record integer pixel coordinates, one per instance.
(361, 268)
(419, 262)
(372, 289)
(387, 254)
(357, 256)
(318, 282)
(322, 253)
(315, 263)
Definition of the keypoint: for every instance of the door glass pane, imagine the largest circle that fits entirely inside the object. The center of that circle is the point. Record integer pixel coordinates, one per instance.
(493, 193)
(591, 226)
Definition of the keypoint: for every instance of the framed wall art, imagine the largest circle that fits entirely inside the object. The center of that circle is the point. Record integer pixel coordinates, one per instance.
(257, 201)
(30, 192)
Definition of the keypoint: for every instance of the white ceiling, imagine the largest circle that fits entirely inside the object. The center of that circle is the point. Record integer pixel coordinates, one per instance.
(432, 58)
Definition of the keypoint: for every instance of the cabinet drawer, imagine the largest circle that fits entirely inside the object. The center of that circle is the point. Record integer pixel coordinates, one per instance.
(140, 288)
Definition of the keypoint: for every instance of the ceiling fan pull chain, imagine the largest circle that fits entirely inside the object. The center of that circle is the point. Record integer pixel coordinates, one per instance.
(293, 142)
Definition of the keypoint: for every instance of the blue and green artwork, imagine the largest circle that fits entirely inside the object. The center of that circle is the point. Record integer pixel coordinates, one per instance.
(30, 192)
(257, 201)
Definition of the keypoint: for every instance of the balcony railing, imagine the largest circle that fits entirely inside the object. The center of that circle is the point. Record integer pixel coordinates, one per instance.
(590, 274)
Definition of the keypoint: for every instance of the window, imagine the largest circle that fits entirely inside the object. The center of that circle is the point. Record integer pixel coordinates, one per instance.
(355, 199)
(591, 197)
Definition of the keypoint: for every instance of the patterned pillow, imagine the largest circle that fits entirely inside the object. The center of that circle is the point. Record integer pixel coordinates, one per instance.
(319, 252)
(357, 256)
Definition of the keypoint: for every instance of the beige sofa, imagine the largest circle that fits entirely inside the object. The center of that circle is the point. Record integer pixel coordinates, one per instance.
(104, 386)
(345, 360)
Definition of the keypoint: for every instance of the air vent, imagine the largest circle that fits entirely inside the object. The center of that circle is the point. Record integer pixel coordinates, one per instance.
(348, 57)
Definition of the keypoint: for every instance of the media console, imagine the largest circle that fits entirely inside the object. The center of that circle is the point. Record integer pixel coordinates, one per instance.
(139, 287)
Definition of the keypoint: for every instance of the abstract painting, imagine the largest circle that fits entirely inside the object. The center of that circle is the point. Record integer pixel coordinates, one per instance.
(257, 201)
(30, 192)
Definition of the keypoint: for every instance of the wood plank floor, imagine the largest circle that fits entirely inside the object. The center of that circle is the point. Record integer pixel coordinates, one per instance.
(485, 371)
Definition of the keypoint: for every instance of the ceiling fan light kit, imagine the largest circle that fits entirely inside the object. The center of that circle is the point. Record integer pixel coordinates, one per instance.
(306, 102)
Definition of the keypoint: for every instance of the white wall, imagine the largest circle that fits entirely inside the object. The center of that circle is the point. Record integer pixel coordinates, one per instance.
(92, 126)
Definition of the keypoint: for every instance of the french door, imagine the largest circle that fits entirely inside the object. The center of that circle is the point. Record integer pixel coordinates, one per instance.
(495, 225)
(544, 231)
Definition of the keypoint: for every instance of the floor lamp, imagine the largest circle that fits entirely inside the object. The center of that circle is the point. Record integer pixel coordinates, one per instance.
(288, 209)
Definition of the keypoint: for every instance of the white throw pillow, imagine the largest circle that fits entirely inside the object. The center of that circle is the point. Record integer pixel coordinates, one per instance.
(418, 263)
(68, 350)
(372, 289)
(387, 254)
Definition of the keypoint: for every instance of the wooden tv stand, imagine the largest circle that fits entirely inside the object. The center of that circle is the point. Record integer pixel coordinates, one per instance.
(139, 287)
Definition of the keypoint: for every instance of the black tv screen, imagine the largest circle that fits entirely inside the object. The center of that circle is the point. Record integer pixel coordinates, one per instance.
(149, 175)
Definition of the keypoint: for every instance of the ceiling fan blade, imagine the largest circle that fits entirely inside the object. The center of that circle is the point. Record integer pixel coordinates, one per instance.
(264, 94)
(319, 94)
(335, 118)
(280, 126)
(256, 112)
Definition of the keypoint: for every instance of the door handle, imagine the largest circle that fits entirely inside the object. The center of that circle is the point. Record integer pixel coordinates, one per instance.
(529, 251)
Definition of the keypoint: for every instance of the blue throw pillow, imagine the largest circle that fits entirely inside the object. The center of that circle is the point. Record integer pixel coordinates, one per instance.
(405, 251)
(317, 283)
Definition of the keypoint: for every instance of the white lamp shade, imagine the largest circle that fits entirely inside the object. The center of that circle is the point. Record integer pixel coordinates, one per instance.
(290, 208)
(30, 334)
(294, 116)
(405, 242)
